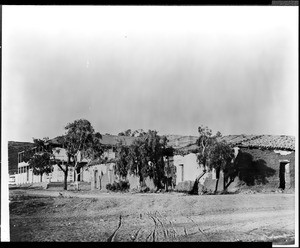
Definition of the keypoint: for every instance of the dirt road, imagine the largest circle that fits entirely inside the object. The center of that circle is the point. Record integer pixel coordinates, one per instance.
(48, 216)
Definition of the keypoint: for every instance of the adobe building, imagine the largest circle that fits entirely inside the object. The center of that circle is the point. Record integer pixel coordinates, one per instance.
(261, 160)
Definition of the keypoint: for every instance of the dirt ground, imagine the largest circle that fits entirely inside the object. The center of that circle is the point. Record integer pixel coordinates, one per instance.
(41, 215)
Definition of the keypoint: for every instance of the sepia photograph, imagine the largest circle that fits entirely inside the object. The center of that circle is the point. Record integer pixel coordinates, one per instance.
(150, 124)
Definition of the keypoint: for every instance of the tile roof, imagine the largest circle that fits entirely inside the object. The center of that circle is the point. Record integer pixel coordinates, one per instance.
(280, 142)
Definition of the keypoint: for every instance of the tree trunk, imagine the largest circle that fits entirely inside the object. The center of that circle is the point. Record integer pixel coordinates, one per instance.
(224, 182)
(76, 180)
(195, 187)
(100, 184)
(217, 182)
(76, 175)
(66, 179)
(41, 177)
(196, 184)
(218, 177)
(230, 181)
(166, 184)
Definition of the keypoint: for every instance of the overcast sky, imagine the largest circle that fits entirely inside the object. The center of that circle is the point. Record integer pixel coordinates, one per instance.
(234, 69)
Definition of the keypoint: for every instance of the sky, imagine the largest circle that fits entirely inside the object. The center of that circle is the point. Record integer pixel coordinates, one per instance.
(165, 68)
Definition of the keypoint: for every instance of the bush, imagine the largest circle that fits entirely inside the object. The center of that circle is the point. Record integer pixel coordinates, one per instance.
(109, 186)
(118, 186)
(144, 189)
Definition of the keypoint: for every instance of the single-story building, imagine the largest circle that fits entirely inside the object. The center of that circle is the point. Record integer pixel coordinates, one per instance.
(99, 173)
(267, 160)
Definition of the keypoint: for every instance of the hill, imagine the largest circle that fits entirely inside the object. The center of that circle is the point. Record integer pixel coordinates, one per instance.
(13, 148)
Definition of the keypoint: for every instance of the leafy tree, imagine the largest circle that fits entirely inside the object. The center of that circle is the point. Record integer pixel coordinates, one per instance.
(208, 151)
(145, 157)
(220, 159)
(205, 142)
(40, 158)
(125, 133)
(81, 141)
(122, 165)
(138, 133)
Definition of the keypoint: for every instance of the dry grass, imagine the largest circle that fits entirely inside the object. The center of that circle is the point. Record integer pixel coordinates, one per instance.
(94, 216)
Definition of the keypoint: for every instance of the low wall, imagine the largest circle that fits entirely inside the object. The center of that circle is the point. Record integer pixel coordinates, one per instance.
(185, 186)
(134, 182)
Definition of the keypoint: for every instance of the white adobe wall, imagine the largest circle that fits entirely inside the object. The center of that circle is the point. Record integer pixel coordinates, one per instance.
(57, 174)
(191, 167)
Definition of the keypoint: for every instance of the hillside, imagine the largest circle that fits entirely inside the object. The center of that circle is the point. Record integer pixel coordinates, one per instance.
(13, 148)
(179, 141)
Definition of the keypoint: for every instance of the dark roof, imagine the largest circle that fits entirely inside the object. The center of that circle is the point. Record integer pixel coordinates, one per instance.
(280, 142)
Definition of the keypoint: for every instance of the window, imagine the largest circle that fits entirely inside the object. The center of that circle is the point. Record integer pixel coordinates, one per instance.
(21, 157)
(181, 171)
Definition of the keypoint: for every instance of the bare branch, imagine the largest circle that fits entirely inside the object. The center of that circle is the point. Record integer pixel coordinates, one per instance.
(64, 170)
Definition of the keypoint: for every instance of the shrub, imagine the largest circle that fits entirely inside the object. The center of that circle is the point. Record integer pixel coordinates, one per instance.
(144, 189)
(118, 186)
(124, 185)
(108, 186)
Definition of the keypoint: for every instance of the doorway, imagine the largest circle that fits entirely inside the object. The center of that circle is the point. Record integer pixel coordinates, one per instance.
(95, 178)
(181, 172)
(282, 175)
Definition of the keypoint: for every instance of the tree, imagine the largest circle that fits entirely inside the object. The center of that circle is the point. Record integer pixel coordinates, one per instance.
(40, 158)
(138, 133)
(205, 142)
(81, 141)
(214, 154)
(145, 157)
(220, 159)
(125, 133)
(130, 133)
(122, 165)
